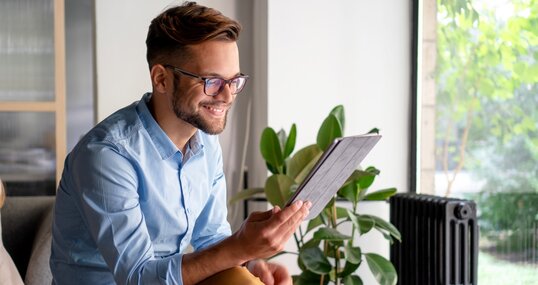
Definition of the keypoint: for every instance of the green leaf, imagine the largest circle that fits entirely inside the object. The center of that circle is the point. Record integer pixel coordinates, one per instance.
(362, 223)
(350, 192)
(382, 269)
(380, 195)
(270, 148)
(372, 170)
(330, 130)
(245, 194)
(364, 178)
(277, 189)
(330, 234)
(340, 212)
(312, 243)
(302, 162)
(339, 113)
(282, 137)
(388, 237)
(366, 181)
(271, 168)
(352, 280)
(384, 225)
(308, 278)
(315, 222)
(314, 260)
(353, 254)
(374, 131)
(290, 142)
(348, 269)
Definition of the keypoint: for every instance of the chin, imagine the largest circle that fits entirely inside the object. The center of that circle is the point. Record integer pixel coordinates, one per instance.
(212, 128)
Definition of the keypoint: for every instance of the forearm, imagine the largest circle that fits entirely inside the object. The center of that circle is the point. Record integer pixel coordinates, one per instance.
(199, 265)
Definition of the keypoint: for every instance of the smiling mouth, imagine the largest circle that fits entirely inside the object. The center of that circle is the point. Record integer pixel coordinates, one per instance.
(216, 110)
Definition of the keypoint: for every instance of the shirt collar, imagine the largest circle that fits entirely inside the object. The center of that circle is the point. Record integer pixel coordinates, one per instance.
(162, 142)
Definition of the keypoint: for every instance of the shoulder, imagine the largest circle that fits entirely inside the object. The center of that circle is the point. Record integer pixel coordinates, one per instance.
(113, 130)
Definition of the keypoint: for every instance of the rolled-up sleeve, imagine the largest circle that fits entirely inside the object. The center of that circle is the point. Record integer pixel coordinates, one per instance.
(107, 184)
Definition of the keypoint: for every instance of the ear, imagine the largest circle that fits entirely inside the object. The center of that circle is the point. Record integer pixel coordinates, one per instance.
(158, 78)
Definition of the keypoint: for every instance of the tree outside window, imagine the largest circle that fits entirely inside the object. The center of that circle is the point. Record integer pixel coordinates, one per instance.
(480, 124)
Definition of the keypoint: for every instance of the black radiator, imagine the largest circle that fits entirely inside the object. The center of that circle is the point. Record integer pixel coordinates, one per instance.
(439, 240)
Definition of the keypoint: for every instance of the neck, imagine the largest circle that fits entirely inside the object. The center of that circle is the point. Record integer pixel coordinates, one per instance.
(179, 131)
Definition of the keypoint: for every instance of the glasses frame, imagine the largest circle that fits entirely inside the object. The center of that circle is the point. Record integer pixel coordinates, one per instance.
(206, 80)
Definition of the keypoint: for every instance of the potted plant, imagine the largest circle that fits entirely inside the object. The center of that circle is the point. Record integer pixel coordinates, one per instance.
(325, 253)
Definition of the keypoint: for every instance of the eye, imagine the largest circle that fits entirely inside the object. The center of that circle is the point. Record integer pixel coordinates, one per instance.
(212, 86)
(213, 82)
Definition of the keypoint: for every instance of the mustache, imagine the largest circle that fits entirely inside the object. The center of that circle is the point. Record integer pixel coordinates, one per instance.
(217, 105)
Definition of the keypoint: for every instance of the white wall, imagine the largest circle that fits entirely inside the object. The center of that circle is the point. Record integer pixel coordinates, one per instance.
(355, 53)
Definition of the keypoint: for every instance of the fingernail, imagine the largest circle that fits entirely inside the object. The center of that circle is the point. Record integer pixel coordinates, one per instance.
(299, 203)
(308, 204)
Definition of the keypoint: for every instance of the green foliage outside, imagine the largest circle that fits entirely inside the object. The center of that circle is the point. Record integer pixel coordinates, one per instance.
(487, 110)
(492, 271)
(324, 253)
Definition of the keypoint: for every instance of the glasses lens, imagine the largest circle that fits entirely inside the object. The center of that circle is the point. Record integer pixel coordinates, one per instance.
(237, 84)
(213, 86)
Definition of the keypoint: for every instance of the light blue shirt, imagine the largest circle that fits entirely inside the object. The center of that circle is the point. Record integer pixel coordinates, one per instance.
(129, 203)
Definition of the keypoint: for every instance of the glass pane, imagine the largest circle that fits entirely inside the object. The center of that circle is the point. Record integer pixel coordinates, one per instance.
(480, 65)
(26, 50)
(27, 153)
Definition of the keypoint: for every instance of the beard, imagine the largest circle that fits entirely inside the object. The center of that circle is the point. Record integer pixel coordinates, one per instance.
(194, 117)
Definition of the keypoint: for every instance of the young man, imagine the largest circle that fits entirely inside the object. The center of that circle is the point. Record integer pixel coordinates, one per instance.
(148, 180)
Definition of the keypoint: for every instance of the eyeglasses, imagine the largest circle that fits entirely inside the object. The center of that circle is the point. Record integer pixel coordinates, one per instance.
(214, 85)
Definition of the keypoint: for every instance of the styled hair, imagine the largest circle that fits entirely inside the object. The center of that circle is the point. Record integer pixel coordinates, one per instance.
(175, 29)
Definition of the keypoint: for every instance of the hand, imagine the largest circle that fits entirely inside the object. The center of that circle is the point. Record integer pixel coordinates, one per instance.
(263, 234)
(269, 273)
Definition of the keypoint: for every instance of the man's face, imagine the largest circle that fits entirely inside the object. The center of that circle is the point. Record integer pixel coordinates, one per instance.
(189, 102)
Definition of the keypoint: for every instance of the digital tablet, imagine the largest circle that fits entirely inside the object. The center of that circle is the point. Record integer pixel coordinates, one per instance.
(332, 170)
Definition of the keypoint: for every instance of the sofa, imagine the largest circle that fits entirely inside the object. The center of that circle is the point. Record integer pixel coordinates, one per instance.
(26, 233)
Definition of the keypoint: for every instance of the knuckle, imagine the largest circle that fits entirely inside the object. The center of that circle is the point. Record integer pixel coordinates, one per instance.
(280, 218)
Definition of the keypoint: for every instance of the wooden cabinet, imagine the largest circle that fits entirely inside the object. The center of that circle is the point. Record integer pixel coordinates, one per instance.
(32, 91)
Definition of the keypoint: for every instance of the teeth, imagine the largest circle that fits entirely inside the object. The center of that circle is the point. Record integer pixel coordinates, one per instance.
(215, 109)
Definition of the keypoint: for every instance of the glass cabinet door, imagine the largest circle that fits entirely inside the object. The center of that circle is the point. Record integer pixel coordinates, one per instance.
(32, 99)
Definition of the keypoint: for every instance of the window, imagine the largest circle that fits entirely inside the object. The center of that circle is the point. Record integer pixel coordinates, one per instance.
(478, 124)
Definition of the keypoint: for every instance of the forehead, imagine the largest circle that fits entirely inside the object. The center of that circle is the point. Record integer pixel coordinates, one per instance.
(214, 57)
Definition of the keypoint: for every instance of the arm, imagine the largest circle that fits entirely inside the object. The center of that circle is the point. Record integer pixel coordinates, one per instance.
(262, 235)
(104, 185)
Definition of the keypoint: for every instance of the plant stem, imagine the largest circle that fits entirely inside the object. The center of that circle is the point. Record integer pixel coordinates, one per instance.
(297, 241)
(325, 252)
(336, 248)
(302, 235)
(353, 224)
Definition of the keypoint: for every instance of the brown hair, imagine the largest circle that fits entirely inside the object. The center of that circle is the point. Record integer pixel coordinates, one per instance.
(175, 29)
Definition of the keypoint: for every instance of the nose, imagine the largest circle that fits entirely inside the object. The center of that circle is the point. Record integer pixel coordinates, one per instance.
(225, 95)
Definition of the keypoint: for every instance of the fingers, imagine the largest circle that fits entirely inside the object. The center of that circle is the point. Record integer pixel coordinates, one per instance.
(260, 269)
(280, 274)
(260, 216)
(291, 216)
